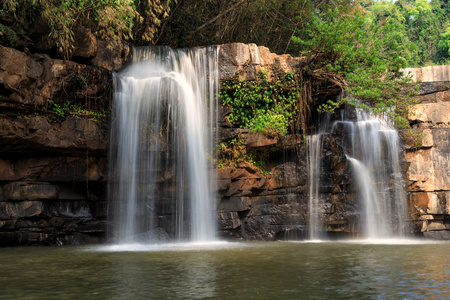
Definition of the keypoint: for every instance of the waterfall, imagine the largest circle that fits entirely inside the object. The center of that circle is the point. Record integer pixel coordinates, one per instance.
(162, 145)
(376, 170)
(313, 147)
(313, 153)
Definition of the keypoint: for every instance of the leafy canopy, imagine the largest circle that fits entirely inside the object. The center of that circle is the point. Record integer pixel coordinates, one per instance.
(114, 20)
(362, 58)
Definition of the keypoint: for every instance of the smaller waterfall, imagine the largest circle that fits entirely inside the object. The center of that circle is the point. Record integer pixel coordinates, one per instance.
(313, 146)
(313, 155)
(375, 163)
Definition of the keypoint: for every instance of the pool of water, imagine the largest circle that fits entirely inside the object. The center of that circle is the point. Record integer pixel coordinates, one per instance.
(277, 270)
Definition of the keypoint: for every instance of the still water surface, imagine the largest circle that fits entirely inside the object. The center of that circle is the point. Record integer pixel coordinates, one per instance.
(279, 270)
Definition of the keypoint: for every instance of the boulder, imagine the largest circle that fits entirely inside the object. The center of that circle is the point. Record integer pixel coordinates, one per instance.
(85, 43)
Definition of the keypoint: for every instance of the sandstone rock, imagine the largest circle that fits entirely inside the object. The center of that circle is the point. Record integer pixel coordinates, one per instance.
(434, 113)
(59, 168)
(439, 203)
(235, 204)
(226, 134)
(244, 61)
(443, 96)
(258, 140)
(429, 74)
(420, 200)
(6, 170)
(74, 209)
(438, 235)
(427, 138)
(420, 170)
(237, 54)
(33, 79)
(224, 179)
(437, 225)
(229, 220)
(265, 56)
(288, 175)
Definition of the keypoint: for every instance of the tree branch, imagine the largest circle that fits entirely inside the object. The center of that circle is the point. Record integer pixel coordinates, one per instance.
(216, 17)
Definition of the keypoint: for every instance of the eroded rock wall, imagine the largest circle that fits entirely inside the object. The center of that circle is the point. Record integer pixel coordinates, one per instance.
(256, 206)
(53, 171)
(53, 168)
(428, 167)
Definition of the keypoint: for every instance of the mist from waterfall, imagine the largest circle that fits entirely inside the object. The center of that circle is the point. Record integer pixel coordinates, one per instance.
(163, 131)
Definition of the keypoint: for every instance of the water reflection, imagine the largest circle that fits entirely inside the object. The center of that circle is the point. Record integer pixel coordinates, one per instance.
(254, 271)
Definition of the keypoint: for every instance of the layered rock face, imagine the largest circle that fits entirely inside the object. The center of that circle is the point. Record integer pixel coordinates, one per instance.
(244, 61)
(428, 167)
(275, 206)
(53, 169)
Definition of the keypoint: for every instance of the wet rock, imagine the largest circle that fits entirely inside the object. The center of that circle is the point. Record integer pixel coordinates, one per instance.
(257, 207)
(37, 134)
(28, 191)
(23, 209)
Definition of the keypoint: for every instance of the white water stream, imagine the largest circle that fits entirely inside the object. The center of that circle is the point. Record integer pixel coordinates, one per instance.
(162, 137)
(313, 148)
(376, 171)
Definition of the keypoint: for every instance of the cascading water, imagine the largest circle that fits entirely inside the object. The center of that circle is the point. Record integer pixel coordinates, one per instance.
(162, 137)
(313, 147)
(375, 162)
(313, 153)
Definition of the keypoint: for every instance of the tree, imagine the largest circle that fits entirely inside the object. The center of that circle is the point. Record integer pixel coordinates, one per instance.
(360, 57)
(117, 20)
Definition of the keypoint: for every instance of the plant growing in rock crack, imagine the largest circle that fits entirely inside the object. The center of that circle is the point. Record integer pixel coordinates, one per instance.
(234, 154)
(74, 110)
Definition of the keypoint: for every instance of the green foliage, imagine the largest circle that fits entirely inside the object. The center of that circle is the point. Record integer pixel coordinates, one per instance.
(69, 109)
(114, 20)
(60, 110)
(363, 58)
(264, 22)
(418, 23)
(8, 36)
(444, 42)
(233, 154)
(262, 105)
(270, 123)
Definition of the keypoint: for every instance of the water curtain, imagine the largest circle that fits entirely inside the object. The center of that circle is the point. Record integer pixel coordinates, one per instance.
(162, 136)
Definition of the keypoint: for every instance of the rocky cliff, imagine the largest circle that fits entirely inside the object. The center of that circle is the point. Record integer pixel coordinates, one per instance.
(53, 150)
(54, 136)
(428, 167)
